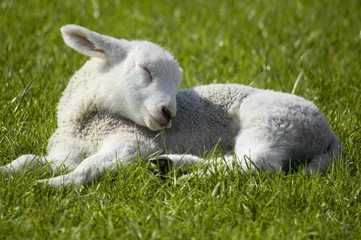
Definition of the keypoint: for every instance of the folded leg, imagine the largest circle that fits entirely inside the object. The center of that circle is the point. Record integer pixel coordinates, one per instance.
(116, 149)
(256, 150)
(28, 161)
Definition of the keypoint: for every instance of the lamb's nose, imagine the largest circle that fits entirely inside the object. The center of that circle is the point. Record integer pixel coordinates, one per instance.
(166, 113)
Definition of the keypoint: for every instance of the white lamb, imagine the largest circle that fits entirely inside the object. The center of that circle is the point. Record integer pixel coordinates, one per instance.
(123, 103)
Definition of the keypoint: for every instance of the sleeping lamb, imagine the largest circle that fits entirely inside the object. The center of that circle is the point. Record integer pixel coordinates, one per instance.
(123, 103)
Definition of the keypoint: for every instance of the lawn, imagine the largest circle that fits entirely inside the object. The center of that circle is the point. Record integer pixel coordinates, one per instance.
(309, 48)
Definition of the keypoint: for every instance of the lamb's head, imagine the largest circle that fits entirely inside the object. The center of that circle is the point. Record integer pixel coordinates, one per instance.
(137, 79)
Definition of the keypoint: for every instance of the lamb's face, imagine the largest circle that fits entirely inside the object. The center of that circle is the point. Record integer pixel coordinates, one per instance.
(145, 86)
(137, 80)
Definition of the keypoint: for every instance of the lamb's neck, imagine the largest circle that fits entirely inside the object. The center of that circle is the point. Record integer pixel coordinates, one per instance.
(107, 102)
(79, 97)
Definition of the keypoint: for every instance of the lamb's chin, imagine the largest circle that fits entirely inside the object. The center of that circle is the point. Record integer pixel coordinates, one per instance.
(153, 125)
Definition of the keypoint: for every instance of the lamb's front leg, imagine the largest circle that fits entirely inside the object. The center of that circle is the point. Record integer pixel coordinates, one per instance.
(115, 150)
(28, 161)
(91, 168)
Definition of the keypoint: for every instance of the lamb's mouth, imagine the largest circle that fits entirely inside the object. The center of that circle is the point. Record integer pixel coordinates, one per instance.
(159, 122)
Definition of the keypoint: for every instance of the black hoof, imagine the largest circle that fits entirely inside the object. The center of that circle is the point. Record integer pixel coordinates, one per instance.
(160, 165)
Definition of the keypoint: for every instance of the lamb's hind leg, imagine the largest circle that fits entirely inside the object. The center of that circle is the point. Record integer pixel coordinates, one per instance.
(164, 163)
(256, 150)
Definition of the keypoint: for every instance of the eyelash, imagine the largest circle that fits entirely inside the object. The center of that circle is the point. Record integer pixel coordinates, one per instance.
(147, 70)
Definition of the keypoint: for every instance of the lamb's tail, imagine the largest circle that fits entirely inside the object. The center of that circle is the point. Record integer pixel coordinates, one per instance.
(321, 163)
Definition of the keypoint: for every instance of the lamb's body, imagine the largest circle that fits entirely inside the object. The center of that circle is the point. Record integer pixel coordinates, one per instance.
(104, 123)
(207, 116)
(203, 121)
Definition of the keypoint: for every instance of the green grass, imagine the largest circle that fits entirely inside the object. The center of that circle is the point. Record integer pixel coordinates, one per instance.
(266, 44)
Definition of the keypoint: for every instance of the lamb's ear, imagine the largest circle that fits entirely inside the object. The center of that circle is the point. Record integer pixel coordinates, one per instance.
(94, 44)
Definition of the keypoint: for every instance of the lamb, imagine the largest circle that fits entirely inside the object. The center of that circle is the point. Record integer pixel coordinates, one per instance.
(124, 103)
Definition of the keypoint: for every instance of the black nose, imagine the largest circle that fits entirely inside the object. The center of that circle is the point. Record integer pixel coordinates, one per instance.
(166, 113)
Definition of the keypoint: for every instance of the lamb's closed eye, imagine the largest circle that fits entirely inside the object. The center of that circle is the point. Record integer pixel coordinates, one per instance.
(147, 71)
